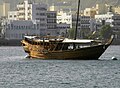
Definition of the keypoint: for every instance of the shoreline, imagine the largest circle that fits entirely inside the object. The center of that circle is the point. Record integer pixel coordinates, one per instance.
(15, 42)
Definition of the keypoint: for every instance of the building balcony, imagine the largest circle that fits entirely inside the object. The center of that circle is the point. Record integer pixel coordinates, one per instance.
(21, 11)
(20, 6)
(21, 16)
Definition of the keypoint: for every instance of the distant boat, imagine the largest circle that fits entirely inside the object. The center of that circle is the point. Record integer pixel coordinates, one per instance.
(55, 47)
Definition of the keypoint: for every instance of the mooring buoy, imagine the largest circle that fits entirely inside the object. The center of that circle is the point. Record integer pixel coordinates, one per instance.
(114, 58)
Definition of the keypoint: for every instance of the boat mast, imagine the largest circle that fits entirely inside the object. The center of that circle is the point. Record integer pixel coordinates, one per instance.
(77, 20)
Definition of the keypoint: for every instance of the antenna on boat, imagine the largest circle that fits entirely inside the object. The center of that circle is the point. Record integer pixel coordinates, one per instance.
(77, 20)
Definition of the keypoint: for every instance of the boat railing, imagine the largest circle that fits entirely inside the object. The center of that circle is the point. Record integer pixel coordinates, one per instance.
(44, 38)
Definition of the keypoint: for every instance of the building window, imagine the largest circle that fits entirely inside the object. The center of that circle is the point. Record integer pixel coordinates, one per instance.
(29, 8)
(12, 26)
(10, 16)
(37, 19)
(37, 13)
(42, 19)
(42, 8)
(42, 14)
(19, 27)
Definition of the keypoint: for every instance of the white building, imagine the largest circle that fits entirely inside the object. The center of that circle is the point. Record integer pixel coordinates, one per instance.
(31, 19)
(68, 18)
(109, 19)
(12, 15)
(85, 23)
(63, 17)
(15, 29)
(106, 17)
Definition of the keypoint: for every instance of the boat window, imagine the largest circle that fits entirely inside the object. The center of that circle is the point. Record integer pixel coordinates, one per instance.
(70, 46)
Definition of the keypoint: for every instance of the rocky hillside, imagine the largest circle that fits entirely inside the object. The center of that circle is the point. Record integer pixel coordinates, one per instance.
(84, 3)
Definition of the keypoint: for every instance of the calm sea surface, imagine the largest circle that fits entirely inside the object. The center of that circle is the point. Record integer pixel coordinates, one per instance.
(18, 72)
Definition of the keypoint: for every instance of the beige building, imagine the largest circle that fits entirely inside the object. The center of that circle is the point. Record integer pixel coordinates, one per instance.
(116, 9)
(4, 8)
(52, 8)
(98, 9)
(64, 6)
(90, 12)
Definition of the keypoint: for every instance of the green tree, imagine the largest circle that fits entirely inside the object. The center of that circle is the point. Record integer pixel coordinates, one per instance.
(71, 33)
(106, 31)
(84, 33)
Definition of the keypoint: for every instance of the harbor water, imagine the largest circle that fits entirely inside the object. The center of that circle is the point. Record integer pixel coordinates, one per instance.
(16, 71)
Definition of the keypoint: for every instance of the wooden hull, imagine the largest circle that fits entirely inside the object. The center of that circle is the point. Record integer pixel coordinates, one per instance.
(85, 53)
(91, 53)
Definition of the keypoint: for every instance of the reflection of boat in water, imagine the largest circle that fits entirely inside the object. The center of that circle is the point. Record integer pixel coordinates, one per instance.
(60, 48)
